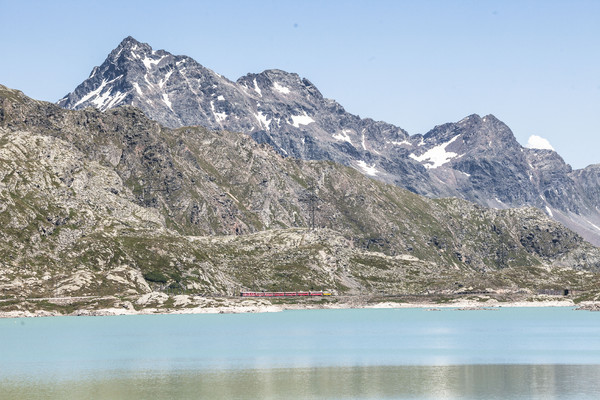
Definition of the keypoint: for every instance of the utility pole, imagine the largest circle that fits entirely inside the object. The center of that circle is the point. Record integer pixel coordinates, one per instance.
(149, 190)
(311, 199)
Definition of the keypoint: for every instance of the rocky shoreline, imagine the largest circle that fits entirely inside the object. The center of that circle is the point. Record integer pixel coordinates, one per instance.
(160, 303)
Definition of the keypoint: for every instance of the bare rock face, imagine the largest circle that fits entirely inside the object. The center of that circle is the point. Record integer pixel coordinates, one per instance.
(477, 158)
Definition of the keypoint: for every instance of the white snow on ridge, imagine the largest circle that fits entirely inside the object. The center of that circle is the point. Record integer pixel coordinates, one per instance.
(96, 92)
(163, 81)
(105, 101)
(256, 88)
(400, 143)
(219, 116)
(298, 120)
(115, 100)
(91, 94)
(167, 101)
(343, 137)
(137, 88)
(368, 170)
(263, 120)
(148, 62)
(436, 156)
(280, 89)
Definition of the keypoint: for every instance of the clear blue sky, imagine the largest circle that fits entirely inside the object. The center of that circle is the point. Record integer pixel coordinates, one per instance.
(533, 64)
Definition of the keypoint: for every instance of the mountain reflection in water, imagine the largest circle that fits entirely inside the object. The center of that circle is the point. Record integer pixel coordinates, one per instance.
(404, 382)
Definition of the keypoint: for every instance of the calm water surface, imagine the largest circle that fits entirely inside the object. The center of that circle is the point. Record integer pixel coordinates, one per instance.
(318, 354)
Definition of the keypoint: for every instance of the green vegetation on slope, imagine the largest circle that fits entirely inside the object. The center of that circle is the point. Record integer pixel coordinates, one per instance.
(114, 204)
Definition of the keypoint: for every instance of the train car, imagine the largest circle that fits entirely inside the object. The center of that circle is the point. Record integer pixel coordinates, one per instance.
(284, 294)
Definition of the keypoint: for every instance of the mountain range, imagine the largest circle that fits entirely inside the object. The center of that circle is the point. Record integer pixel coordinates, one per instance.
(158, 174)
(477, 158)
(113, 205)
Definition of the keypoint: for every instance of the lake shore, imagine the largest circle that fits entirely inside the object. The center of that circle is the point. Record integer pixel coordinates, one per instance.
(160, 303)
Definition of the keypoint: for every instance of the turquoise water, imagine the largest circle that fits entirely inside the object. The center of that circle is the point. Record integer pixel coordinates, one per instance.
(350, 354)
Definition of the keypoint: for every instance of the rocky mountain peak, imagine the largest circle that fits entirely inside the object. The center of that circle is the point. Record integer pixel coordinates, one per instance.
(280, 84)
(130, 44)
(477, 158)
(130, 41)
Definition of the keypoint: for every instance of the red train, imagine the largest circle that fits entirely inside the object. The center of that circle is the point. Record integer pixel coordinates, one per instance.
(283, 294)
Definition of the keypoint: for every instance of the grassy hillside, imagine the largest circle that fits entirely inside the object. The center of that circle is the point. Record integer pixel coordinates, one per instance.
(114, 204)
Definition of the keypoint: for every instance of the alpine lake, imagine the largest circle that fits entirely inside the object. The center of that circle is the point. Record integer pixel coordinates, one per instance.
(412, 353)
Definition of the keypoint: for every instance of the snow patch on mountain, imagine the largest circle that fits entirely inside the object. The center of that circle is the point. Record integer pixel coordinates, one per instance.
(219, 116)
(399, 143)
(280, 89)
(304, 119)
(343, 136)
(367, 169)
(256, 88)
(106, 101)
(167, 101)
(137, 88)
(265, 122)
(162, 82)
(101, 98)
(436, 156)
(91, 94)
(149, 63)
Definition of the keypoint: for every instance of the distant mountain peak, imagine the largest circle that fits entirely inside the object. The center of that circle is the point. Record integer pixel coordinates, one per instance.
(477, 158)
(274, 106)
(129, 40)
(280, 84)
(130, 45)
